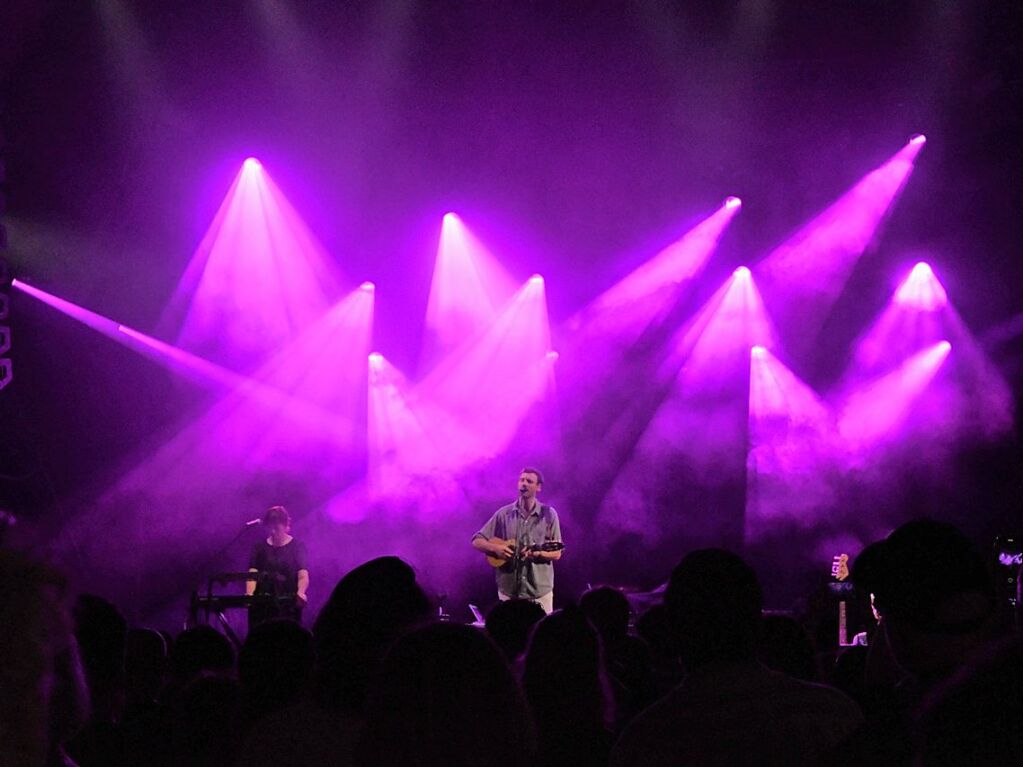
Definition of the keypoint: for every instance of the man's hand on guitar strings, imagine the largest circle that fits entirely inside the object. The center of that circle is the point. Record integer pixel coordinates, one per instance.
(503, 550)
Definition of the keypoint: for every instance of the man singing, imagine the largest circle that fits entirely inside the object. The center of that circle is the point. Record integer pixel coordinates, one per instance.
(516, 534)
(281, 562)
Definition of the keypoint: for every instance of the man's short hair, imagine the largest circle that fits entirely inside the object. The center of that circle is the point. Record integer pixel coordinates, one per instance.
(531, 470)
(277, 515)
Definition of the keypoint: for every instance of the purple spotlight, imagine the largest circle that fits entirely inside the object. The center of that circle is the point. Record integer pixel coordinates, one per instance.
(483, 389)
(163, 353)
(95, 321)
(536, 280)
(553, 355)
(258, 278)
(722, 333)
(917, 139)
(376, 359)
(803, 277)
(733, 202)
(876, 410)
(921, 290)
(622, 312)
(791, 448)
(922, 270)
(368, 286)
(468, 287)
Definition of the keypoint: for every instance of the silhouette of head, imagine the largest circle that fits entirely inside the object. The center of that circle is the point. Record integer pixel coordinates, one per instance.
(44, 699)
(934, 594)
(102, 632)
(714, 602)
(785, 646)
(654, 627)
(510, 622)
(274, 665)
(926, 574)
(145, 663)
(975, 718)
(440, 689)
(564, 672)
(608, 610)
(199, 650)
(205, 723)
(368, 610)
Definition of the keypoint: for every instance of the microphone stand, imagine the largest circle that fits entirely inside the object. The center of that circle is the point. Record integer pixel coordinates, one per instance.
(520, 543)
(206, 564)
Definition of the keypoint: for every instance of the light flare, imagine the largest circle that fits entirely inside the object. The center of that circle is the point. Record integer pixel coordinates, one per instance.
(921, 290)
(802, 278)
(468, 287)
(258, 278)
(625, 310)
(875, 412)
(792, 445)
(918, 314)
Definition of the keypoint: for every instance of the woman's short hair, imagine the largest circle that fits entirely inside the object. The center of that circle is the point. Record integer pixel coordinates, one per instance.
(277, 515)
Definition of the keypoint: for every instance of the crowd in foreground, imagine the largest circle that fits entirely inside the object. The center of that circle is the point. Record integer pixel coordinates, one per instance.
(702, 679)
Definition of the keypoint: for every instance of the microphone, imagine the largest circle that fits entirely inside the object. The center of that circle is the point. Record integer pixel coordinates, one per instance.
(252, 522)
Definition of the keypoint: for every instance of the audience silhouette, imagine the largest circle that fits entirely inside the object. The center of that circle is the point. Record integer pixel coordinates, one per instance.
(509, 623)
(709, 680)
(275, 667)
(43, 697)
(627, 658)
(729, 709)
(369, 609)
(446, 697)
(568, 691)
(936, 602)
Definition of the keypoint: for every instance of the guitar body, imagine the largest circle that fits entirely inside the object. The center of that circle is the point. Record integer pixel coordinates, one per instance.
(496, 561)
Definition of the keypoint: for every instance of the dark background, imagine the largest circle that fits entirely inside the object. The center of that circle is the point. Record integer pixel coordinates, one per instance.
(574, 138)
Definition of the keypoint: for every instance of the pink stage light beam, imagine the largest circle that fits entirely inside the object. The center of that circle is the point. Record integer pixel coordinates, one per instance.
(258, 277)
(325, 364)
(305, 407)
(404, 443)
(875, 412)
(792, 442)
(722, 332)
(178, 360)
(468, 288)
(921, 290)
(803, 277)
(487, 385)
(702, 421)
(322, 378)
(919, 313)
(624, 310)
(776, 392)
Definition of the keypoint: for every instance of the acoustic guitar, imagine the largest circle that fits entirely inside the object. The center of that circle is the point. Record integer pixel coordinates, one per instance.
(496, 561)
